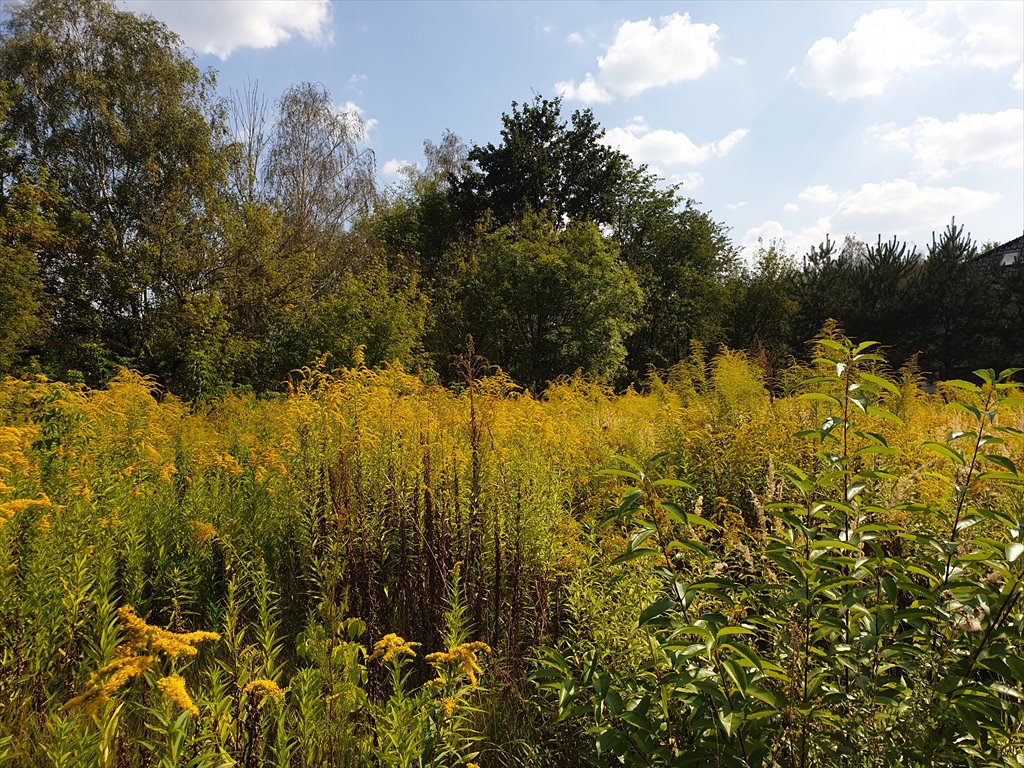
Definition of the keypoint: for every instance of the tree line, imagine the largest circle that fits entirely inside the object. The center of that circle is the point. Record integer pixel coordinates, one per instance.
(148, 222)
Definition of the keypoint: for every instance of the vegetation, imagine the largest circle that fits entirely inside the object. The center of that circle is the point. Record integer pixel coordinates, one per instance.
(295, 471)
(374, 570)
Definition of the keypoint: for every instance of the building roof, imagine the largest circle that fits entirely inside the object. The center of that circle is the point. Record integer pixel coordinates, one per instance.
(1008, 253)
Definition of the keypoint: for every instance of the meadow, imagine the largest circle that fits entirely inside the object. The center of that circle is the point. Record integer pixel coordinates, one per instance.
(374, 570)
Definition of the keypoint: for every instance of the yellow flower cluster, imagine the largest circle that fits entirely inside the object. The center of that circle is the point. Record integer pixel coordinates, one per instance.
(10, 508)
(464, 657)
(266, 687)
(390, 646)
(138, 653)
(448, 705)
(143, 636)
(173, 687)
(202, 531)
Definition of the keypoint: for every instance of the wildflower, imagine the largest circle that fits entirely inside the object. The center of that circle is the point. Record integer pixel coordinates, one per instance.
(266, 687)
(390, 646)
(448, 705)
(139, 652)
(173, 687)
(202, 531)
(464, 657)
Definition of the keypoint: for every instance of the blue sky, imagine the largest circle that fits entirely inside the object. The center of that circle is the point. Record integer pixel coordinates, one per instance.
(785, 120)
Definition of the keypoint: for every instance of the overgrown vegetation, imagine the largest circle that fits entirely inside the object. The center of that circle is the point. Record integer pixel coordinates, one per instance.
(826, 578)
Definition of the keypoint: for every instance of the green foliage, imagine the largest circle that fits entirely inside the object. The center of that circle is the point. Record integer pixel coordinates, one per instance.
(545, 302)
(544, 163)
(858, 641)
(112, 108)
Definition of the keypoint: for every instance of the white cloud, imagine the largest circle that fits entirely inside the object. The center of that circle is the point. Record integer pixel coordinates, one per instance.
(355, 116)
(994, 33)
(222, 28)
(736, 205)
(646, 55)
(901, 207)
(1018, 79)
(796, 242)
(668, 148)
(395, 169)
(993, 139)
(588, 91)
(884, 45)
(820, 193)
(895, 207)
(689, 181)
(574, 38)
(791, 208)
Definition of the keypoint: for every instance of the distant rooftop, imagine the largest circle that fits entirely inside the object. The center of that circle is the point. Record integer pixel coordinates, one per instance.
(1008, 253)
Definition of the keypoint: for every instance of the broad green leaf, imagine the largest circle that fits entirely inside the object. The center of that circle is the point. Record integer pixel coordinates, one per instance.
(945, 451)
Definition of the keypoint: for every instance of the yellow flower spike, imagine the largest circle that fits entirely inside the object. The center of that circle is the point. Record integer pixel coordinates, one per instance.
(448, 705)
(390, 646)
(139, 652)
(464, 657)
(173, 687)
(266, 687)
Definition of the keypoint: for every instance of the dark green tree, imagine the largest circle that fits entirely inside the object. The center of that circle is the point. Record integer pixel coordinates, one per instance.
(544, 163)
(111, 107)
(545, 302)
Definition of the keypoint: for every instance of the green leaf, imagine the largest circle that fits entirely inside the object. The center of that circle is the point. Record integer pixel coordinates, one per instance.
(878, 381)
(633, 554)
(820, 396)
(967, 386)
(655, 609)
(945, 451)
(1002, 461)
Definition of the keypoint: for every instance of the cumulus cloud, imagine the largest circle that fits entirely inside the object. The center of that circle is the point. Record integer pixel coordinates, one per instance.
(994, 139)
(994, 33)
(356, 118)
(1018, 79)
(689, 181)
(647, 55)
(791, 208)
(588, 91)
(223, 28)
(884, 45)
(821, 193)
(890, 43)
(894, 207)
(660, 148)
(395, 169)
(736, 205)
(900, 206)
(795, 242)
(574, 38)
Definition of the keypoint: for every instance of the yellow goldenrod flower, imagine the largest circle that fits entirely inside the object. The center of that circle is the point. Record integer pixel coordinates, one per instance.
(135, 655)
(173, 687)
(266, 687)
(464, 657)
(448, 705)
(202, 531)
(390, 646)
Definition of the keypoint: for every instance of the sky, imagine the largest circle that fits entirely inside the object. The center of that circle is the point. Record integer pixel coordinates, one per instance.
(784, 120)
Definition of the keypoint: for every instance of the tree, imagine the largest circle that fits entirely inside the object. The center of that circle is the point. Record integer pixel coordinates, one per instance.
(317, 172)
(763, 307)
(110, 106)
(958, 307)
(544, 163)
(545, 302)
(682, 258)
